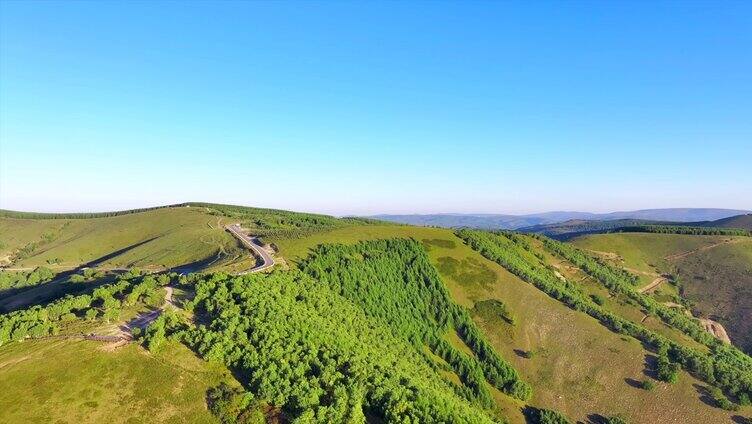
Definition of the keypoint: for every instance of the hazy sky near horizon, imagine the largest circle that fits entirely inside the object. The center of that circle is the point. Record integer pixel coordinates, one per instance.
(376, 107)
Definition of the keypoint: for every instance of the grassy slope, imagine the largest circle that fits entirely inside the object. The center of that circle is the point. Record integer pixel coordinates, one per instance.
(159, 238)
(739, 221)
(66, 381)
(718, 280)
(580, 367)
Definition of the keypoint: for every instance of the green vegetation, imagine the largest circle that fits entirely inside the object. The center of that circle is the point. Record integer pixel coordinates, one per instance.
(723, 365)
(667, 370)
(371, 331)
(19, 279)
(580, 367)
(680, 229)
(233, 405)
(73, 381)
(393, 281)
(492, 308)
(309, 351)
(86, 215)
(616, 419)
(156, 240)
(619, 281)
(104, 302)
(547, 416)
(280, 223)
(712, 275)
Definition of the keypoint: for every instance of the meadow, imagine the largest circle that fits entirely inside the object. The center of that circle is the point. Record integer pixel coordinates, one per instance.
(67, 381)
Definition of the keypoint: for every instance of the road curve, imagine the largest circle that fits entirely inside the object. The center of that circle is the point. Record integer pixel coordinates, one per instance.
(250, 242)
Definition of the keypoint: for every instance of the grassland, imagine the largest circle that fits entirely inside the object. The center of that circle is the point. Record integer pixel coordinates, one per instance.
(574, 364)
(713, 273)
(69, 381)
(158, 239)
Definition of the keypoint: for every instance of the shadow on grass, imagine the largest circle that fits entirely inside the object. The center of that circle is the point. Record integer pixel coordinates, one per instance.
(704, 395)
(651, 366)
(59, 286)
(637, 384)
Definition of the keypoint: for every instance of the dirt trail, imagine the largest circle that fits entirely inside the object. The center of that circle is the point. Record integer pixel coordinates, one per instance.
(637, 271)
(700, 249)
(117, 336)
(143, 320)
(653, 285)
(607, 255)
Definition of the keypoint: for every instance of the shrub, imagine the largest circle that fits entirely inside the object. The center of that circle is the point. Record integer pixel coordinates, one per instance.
(667, 370)
(647, 385)
(722, 401)
(548, 416)
(597, 299)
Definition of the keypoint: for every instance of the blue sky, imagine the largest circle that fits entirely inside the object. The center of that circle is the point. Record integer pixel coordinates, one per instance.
(360, 108)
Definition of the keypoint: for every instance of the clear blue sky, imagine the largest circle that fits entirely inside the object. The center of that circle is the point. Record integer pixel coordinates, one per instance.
(359, 108)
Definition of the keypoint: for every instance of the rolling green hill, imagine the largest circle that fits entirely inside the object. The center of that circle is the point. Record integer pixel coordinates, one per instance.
(371, 322)
(738, 221)
(712, 274)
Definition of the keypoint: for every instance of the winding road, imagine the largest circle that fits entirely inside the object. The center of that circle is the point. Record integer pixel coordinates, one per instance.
(251, 242)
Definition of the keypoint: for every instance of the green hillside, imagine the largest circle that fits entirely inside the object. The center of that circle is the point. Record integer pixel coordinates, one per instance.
(369, 322)
(712, 274)
(739, 221)
(157, 239)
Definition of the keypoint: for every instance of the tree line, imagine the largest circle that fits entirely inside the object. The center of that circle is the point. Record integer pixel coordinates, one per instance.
(681, 229)
(20, 279)
(105, 302)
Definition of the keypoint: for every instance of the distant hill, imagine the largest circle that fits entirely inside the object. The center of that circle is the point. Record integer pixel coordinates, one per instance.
(739, 221)
(577, 227)
(514, 222)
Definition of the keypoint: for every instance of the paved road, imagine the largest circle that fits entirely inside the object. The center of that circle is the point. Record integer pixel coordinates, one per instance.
(250, 242)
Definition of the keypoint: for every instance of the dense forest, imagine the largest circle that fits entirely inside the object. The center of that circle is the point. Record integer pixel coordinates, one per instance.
(303, 348)
(723, 366)
(393, 281)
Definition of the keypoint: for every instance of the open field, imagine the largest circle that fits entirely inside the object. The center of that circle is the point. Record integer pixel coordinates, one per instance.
(714, 273)
(73, 381)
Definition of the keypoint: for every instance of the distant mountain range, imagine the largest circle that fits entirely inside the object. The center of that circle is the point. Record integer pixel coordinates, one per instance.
(577, 227)
(514, 222)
